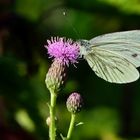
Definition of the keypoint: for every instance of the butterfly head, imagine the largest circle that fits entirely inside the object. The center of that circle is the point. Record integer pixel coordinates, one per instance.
(85, 46)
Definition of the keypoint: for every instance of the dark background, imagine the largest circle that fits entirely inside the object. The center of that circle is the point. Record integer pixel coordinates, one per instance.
(111, 112)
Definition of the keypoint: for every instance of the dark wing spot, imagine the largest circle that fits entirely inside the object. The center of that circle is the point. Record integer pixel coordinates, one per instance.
(134, 55)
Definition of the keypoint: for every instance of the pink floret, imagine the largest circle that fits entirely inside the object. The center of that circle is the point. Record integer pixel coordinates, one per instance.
(66, 50)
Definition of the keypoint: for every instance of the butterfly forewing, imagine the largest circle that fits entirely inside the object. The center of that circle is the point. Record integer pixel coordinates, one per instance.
(118, 37)
(125, 43)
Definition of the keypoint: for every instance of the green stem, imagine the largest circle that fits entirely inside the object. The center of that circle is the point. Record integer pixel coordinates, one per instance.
(52, 128)
(71, 127)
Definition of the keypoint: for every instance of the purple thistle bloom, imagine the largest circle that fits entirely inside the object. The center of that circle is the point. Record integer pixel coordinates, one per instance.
(65, 50)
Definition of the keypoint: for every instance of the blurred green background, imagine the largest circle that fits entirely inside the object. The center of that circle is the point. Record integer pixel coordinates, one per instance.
(111, 112)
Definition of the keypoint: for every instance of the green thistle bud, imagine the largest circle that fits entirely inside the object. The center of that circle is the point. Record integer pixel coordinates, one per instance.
(56, 75)
(74, 103)
(48, 120)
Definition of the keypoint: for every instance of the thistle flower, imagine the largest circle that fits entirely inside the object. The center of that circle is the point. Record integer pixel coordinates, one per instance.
(74, 103)
(65, 50)
(63, 53)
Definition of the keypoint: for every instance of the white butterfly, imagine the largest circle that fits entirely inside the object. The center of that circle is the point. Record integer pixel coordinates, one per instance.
(115, 56)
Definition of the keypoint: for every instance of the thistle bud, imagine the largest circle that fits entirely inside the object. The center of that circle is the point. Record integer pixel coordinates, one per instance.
(74, 103)
(48, 120)
(56, 75)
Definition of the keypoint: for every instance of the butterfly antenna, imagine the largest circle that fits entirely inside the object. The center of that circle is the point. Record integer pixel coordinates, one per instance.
(73, 28)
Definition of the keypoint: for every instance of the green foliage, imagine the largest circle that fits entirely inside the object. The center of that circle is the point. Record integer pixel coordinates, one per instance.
(111, 112)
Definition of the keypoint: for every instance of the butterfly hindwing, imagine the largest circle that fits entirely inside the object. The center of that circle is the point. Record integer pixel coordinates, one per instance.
(111, 66)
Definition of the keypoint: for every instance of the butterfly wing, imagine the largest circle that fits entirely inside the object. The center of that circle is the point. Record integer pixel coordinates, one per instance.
(125, 43)
(111, 67)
